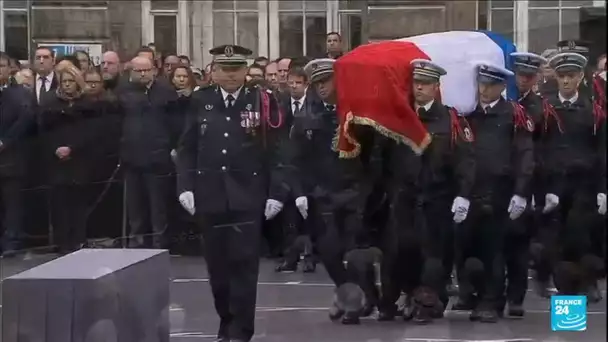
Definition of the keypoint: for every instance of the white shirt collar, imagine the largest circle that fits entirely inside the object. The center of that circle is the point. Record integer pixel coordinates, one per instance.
(427, 106)
(571, 100)
(300, 102)
(49, 77)
(489, 105)
(235, 94)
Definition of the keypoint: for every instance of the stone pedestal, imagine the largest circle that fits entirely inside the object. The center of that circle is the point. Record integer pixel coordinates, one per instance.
(93, 295)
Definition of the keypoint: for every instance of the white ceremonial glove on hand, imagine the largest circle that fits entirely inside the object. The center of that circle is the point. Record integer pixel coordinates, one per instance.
(551, 202)
(601, 204)
(186, 199)
(173, 155)
(302, 205)
(533, 203)
(273, 207)
(517, 206)
(460, 209)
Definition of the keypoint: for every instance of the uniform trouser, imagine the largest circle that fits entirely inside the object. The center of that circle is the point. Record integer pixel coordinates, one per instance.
(146, 205)
(401, 247)
(292, 224)
(69, 215)
(482, 236)
(12, 216)
(232, 247)
(332, 234)
(438, 243)
(517, 256)
(574, 219)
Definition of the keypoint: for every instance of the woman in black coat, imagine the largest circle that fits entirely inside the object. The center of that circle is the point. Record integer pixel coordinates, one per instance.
(68, 124)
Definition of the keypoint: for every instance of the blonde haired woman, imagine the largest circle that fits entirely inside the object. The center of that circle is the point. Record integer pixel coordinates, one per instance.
(69, 138)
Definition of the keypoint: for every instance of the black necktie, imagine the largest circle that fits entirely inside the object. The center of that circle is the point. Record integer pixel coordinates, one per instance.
(421, 112)
(229, 101)
(330, 108)
(567, 104)
(296, 105)
(43, 86)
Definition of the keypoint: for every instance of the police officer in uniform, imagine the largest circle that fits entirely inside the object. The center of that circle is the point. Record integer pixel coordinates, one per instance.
(582, 48)
(326, 184)
(576, 181)
(446, 178)
(229, 175)
(517, 244)
(504, 166)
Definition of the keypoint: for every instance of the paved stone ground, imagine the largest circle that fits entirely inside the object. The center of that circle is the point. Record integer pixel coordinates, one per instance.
(292, 308)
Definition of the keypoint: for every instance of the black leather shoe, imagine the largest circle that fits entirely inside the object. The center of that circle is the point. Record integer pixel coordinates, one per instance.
(422, 316)
(464, 304)
(475, 315)
(309, 265)
(351, 318)
(335, 313)
(386, 315)
(408, 309)
(593, 294)
(488, 316)
(515, 310)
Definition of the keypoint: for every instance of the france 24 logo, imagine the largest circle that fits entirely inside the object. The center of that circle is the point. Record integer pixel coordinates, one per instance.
(569, 313)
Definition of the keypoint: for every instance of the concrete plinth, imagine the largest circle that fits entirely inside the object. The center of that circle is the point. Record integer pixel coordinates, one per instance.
(93, 295)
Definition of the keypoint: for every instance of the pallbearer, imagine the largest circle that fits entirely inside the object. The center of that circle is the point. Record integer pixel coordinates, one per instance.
(229, 176)
(446, 177)
(576, 178)
(504, 165)
(527, 68)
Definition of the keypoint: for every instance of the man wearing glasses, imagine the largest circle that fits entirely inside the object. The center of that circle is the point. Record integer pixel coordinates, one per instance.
(145, 151)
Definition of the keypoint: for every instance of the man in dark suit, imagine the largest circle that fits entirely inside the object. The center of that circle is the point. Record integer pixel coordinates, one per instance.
(46, 82)
(16, 118)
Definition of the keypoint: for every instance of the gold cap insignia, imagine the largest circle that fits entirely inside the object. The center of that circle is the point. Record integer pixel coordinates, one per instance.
(314, 66)
(571, 44)
(228, 51)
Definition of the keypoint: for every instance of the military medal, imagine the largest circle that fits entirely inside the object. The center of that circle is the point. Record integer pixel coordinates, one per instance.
(309, 134)
(208, 107)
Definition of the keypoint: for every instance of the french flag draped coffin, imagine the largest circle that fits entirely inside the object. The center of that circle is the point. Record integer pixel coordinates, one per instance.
(374, 83)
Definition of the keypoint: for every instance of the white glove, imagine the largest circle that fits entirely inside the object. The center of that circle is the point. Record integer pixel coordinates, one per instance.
(601, 204)
(302, 205)
(273, 207)
(173, 155)
(460, 209)
(517, 206)
(551, 202)
(186, 199)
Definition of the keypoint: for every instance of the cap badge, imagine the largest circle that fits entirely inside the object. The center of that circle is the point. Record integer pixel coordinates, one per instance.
(314, 66)
(571, 44)
(228, 51)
